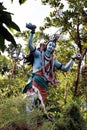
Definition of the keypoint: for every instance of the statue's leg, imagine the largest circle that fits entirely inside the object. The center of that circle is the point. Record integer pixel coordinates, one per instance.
(30, 95)
(40, 97)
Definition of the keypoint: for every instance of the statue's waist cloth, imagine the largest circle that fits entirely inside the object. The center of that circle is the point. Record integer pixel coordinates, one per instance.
(38, 82)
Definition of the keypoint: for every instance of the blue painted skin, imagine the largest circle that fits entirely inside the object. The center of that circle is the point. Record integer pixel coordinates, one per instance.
(37, 64)
(50, 48)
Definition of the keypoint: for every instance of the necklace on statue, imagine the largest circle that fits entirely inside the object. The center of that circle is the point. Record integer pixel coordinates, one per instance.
(47, 65)
(47, 58)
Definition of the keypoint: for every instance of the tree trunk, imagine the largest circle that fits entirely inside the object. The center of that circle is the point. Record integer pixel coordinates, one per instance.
(12, 74)
(77, 78)
(80, 50)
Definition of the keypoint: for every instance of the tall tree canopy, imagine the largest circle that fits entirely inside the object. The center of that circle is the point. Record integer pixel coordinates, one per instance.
(73, 21)
(72, 18)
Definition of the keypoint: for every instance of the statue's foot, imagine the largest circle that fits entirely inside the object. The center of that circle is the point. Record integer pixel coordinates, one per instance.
(50, 117)
(31, 26)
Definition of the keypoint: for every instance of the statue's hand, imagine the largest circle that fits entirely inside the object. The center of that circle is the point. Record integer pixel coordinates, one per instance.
(31, 26)
(77, 56)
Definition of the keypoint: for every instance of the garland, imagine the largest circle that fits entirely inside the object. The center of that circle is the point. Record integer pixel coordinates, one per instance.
(49, 70)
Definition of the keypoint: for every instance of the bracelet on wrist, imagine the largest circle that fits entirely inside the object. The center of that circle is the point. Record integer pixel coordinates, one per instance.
(73, 59)
(33, 31)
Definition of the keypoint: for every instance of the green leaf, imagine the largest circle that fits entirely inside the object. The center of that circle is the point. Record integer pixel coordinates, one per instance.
(5, 15)
(13, 25)
(1, 6)
(2, 46)
(11, 0)
(6, 19)
(7, 35)
(22, 1)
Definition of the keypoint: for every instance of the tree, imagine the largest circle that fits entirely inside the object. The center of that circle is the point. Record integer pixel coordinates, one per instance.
(6, 24)
(73, 21)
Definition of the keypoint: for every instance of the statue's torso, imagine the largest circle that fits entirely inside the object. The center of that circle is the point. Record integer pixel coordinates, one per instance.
(38, 62)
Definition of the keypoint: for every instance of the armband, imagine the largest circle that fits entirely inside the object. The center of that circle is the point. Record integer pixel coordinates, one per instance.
(33, 31)
(33, 50)
(60, 66)
(73, 59)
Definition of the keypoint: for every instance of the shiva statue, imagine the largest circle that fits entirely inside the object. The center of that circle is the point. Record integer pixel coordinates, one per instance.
(43, 62)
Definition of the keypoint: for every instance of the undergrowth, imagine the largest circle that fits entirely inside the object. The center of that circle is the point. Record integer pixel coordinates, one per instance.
(13, 116)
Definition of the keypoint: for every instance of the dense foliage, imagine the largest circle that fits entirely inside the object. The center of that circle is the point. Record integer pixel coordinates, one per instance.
(67, 102)
(6, 26)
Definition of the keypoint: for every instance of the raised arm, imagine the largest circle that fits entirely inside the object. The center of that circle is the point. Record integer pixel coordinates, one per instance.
(65, 68)
(32, 28)
(30, 45)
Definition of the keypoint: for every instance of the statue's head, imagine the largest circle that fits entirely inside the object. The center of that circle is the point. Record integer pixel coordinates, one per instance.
(51, 44)
(46, 45)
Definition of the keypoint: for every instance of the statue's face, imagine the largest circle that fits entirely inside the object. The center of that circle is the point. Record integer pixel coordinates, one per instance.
(51, 46)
